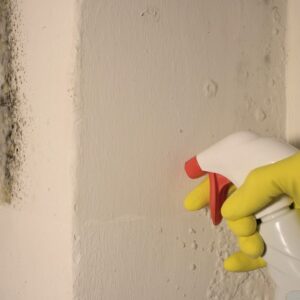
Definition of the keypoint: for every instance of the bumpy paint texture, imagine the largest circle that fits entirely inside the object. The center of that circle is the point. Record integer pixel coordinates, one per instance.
(159, 82)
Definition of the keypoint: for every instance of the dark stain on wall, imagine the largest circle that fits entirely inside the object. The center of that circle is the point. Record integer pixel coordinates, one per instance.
(10, 120)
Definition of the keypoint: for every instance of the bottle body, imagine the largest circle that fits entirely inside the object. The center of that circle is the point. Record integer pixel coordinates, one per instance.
(280, 233)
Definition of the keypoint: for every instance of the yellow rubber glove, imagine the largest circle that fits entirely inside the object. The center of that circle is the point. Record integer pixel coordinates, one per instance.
(261, 187)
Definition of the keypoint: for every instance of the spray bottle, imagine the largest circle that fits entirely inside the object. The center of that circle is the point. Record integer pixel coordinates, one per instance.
(230, 161)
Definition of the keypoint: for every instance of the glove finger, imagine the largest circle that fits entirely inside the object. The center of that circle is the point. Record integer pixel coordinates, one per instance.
(199, 197)
(243, 227)
(259, 189)
(241, 262)
(287, 177)
(252, 245)
(231, 190)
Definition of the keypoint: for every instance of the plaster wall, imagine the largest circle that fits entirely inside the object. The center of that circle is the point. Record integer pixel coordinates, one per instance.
(101, 217)
(36, 228)
(159, 81)
(293, 72)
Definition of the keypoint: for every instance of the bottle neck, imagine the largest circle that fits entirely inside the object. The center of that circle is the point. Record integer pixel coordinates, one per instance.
(276, 214)
(279, 206)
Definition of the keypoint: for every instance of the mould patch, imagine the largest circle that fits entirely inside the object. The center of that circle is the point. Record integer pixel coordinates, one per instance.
(10, 121)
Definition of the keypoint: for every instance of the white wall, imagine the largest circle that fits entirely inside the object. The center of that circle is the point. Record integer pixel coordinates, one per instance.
(293, 72)
(36, 229)
(158, 82)
(161, 80)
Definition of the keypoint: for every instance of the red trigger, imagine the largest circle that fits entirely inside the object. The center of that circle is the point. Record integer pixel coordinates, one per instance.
(219, 186)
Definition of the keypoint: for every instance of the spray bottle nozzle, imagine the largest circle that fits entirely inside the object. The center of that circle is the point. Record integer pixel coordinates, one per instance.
(192, 168)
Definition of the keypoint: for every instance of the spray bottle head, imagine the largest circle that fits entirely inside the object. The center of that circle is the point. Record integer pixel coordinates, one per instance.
(231, 160)
(219, 186)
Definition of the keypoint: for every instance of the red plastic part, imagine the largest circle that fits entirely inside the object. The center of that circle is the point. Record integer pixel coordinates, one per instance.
(219, 186)
(193, 169)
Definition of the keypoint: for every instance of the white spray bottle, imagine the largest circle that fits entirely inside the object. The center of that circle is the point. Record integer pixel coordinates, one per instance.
(231, 160)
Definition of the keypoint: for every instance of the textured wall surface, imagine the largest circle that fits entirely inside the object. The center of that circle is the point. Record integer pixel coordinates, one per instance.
(159, 81)
(293, 73)
(36, 228)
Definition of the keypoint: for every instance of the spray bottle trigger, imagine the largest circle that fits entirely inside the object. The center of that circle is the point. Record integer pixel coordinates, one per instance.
(219, 186)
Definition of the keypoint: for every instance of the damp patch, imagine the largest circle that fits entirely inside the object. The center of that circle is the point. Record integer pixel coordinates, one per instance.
(10, 129)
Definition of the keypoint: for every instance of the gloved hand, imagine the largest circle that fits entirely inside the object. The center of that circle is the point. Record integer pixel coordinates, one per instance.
(261, 187)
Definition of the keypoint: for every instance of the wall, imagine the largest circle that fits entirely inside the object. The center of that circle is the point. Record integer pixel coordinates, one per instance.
(159, 81)
(293, 73)
(36, 228)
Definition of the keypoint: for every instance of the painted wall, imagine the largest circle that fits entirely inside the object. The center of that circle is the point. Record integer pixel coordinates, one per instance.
(293, 73)
(101, 216)
(36, 228)
(159, 81)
